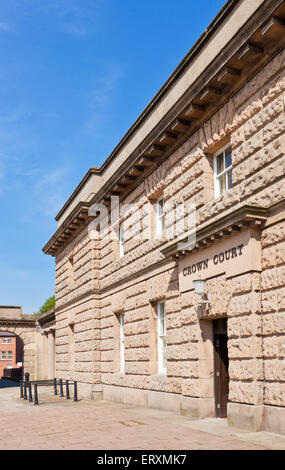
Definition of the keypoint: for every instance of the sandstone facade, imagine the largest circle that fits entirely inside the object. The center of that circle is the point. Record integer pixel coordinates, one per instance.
(94, 285)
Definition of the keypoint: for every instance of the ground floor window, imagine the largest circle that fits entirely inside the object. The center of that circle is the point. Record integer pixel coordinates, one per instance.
(161, 340)
(122, 343)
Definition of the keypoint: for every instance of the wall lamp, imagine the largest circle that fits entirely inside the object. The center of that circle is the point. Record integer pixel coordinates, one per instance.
(199, 286)
(204, 299)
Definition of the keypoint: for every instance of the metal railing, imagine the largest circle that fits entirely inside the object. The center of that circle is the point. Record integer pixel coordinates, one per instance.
(27, 394)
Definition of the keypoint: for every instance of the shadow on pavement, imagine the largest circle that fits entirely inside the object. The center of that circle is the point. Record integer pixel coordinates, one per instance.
(8, 383)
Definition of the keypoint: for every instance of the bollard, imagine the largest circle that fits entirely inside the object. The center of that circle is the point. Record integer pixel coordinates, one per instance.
(36, 401)
(30, 392)
(21, 389)
(25, 390)
(60, 388)
(54, 387)
(67, 389)
(75, 398)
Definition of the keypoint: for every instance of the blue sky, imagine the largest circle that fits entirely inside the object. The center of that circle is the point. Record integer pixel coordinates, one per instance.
(74, 76)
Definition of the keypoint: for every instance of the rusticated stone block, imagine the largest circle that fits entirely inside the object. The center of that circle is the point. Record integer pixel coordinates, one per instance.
(265, 116)
(244, 304)
(269, 301)
(269, 279)
(182, 369)
(247, 148)
(273, 347)
(273, 234)
(137, 354)
(274, 323)
(191, 388)
(178, 335)
(237, 137)
(245, 348)
(136, 327)
(249, 325)
(246, 392)
(274, 370)
(262, 179)
(268, 257)
(274, 394)
(246, 369)
(280, 253)
(189, 315)
(174, 320)
(241, 284)
(137, 341)
(190, 351)
(274, 129)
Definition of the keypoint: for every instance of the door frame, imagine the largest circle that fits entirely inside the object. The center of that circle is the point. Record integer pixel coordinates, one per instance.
(221, 364)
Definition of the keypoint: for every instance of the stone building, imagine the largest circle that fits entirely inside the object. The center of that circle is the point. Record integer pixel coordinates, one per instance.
(22, 328)
(187, 320)
(29, 340)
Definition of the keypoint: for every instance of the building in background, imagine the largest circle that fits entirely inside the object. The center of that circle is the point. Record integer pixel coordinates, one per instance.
(150, 316)
(10, 352)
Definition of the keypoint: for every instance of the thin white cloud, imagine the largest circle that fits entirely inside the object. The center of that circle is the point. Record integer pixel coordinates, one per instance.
(72, 16)
(74, 29)
(4, 27)
(49, 192)
(101, 98)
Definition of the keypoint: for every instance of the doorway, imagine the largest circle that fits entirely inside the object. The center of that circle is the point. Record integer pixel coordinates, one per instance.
(221, 367)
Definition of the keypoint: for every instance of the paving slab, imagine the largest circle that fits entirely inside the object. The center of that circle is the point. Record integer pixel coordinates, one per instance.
(57, 423)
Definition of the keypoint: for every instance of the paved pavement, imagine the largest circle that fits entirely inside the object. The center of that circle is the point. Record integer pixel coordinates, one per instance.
(58, 423)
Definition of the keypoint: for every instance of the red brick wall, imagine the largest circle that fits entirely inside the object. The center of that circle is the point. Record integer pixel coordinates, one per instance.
(8, 347)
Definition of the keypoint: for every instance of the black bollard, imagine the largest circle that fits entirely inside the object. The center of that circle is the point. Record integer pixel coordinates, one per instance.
(67, 390)
(30, 392)
(75, 398)
(54, 387)
(36, 401)
(25, 390)
(60, 388)
(21, 389)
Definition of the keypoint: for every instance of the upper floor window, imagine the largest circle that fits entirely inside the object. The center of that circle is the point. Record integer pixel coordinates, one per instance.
(3, 355)
(223, 171)
(160, 217)
(6, 341)
(122, 252)
(9, 355)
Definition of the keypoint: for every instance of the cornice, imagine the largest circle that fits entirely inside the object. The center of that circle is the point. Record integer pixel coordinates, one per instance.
(46, 317)
(69, 228)
(22, 321)
(94, 170)
(245, 216)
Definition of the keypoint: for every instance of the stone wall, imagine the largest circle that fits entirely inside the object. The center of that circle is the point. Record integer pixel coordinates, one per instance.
(94, 285)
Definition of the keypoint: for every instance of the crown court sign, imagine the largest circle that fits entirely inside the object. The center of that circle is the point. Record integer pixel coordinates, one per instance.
(232, 255)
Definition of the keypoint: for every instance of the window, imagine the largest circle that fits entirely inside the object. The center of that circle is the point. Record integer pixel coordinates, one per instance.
(10, 356)
(122, 343)
(160, 217)
(223, 171)
(6, 341)
(3, 355)
(70, 270)
(161, 338)
(121, 242)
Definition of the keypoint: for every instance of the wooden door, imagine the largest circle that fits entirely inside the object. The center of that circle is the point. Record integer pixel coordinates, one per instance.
(221, 364)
